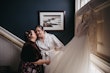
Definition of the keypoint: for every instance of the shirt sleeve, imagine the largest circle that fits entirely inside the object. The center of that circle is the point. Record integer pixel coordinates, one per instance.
(58, 43)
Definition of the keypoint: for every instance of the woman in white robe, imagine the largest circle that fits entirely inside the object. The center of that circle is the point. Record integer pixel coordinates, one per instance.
(48, 43)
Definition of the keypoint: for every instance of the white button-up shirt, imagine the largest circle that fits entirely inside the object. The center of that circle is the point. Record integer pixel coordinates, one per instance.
(50, 46)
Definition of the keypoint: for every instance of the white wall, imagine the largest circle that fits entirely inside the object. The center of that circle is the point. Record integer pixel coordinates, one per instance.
(9, 54)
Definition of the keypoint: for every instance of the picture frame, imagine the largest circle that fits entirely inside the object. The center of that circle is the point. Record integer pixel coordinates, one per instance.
(52, 20)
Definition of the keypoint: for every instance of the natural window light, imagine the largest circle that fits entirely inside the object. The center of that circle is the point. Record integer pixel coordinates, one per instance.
(80, 3)
(95, 69)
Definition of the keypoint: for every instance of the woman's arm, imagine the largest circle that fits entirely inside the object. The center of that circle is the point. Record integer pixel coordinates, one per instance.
(41, 62)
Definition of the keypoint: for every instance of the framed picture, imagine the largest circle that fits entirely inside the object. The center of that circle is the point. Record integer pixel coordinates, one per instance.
(52, 20)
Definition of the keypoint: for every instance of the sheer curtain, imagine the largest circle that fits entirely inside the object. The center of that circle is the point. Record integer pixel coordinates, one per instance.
(75, 56)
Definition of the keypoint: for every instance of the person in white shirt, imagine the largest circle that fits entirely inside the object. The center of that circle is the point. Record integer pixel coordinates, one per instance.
(48, 43)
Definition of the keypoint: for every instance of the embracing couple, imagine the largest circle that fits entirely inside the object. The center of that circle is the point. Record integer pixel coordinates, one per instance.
(38, 51)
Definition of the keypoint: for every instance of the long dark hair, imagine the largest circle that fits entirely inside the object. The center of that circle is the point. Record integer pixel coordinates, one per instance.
(27, 35)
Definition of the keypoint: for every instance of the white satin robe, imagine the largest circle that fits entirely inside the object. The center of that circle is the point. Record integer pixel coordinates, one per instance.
(49, 48)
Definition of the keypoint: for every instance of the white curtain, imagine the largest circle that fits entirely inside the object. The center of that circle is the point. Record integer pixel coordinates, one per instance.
(75, 57)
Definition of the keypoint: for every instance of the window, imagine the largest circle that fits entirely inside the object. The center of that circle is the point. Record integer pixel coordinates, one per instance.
(80, 3)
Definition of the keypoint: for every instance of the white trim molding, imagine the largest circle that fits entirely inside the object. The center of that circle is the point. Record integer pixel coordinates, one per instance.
(5, 33)
(100, 63)
(102, 6)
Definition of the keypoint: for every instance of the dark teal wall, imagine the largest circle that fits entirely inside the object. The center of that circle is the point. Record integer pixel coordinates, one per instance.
(18, 16)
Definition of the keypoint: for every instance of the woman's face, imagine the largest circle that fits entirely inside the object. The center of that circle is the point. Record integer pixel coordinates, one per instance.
(39, 32)
(33, 34)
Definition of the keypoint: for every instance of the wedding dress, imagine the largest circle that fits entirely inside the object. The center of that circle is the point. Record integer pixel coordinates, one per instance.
(75, 57)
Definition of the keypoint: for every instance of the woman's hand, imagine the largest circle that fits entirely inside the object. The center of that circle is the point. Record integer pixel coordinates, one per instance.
(41, 62)
(47, 62)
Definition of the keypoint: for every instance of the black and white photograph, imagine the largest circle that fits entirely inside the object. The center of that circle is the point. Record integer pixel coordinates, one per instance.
(51, 20)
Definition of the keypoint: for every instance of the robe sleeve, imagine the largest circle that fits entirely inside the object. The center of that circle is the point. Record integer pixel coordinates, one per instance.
(57, 42)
